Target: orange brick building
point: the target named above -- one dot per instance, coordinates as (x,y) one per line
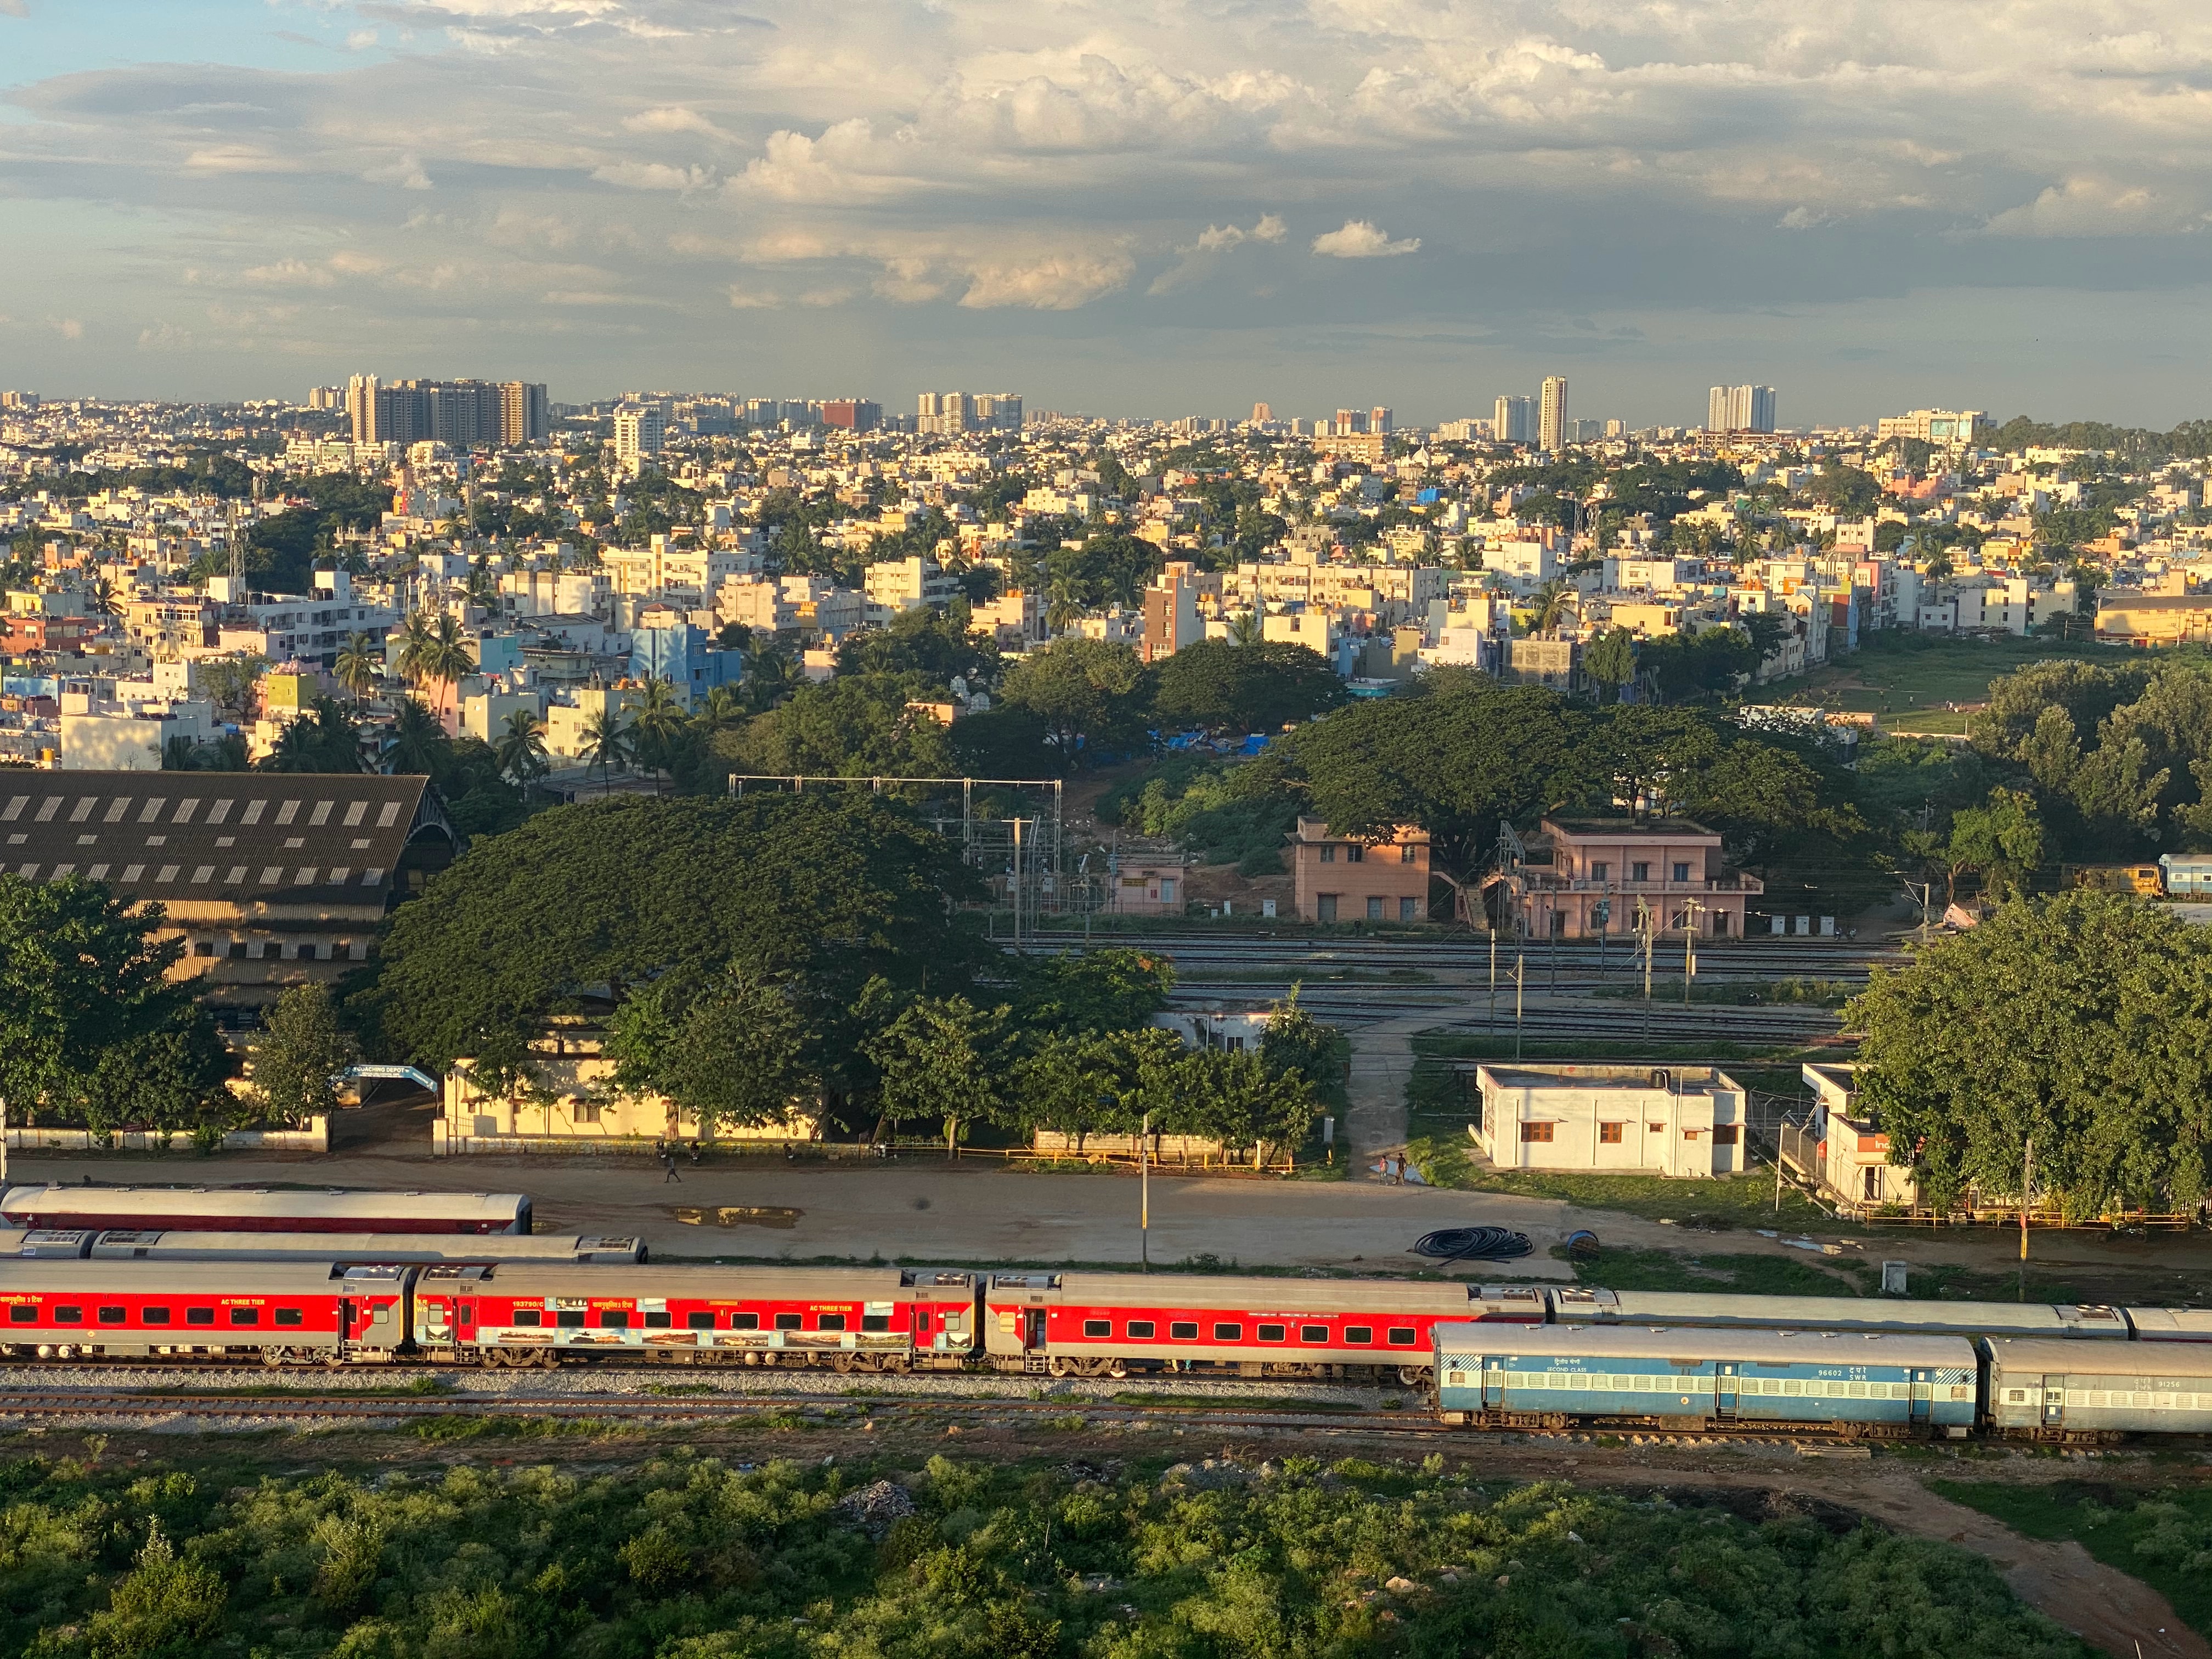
(1341,878)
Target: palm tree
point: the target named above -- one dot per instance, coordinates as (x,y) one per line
(521,748)
(418,740)
(1062,607)
(723,707)
(767,679)
(1245,628)
(606,744)
(434,650)
(1551,602)
(418,638)
(656,717)
(360,664)
(104,601)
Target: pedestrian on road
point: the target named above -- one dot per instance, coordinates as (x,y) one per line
(668,1163)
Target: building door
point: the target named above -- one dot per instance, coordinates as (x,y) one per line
(1870,1183)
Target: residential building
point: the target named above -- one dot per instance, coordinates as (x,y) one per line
(253,870)
(1683,1121)
(1739,409)
(525,416)
(894,586)
(639,433)
(1583,878)
(1937,426)
(1172,620)
(1343,878)
(851,414)
(1552,417)
(1515,421)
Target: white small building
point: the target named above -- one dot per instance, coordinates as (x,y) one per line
(1680,1120)
(1841,1150)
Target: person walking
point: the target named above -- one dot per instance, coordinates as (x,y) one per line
(668,1163)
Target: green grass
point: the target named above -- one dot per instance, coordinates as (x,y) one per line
(1907,679)
(507,1426)
(1741,993)
(1450,1160)
(1738,1275)
(2163,1538)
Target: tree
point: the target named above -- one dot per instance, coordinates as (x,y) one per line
(419,744)
(820,894)
(925,641)
(1295,1042)
(606,742)
(302,1050)
(656,719)
(1610,659)
(1089,993)
(434,651)
(1246,688)
(853,726)
(360,664)
(88,1016)
(326,738)
(2076,1021)
(733,1052)
(2000,840)
(1086,691)
(940,1058)
(229,682)
(520,749)
(1070,1083)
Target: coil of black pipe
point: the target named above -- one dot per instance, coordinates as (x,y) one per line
(1473,1244)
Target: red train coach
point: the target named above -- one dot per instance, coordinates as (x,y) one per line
(284,1313)
(238,1209)
(1111,1324)
(851,1319)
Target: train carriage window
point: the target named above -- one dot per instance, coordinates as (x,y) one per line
(657,1319)
(1313,1332)
(289,1317)
(743,1322)
(1141,1330)
(199,1315)
(613,1319)
(68,1315)
(1403,1335)
(153,1315)
(875,1322)
(1228,1333)
(246,1315)
(114,1315)
(1183,1330)
(1359,1332)
(787,1321)
(830,1323)
(526,1316)
(1274,1332)
(570,1319)
(699,1322)
(1098,1328)
(21,1314)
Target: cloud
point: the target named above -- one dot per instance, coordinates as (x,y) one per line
(746,299)
(1056,283)
(2100,206)
(1199,258)
(1361,240)
(656,175)
(68,327)
(1801,218)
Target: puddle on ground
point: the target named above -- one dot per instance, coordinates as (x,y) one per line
(736,1215)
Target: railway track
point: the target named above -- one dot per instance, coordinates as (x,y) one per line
(814,1410)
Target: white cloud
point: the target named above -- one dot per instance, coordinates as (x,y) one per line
(1055,282)
(68,327)
(656,175)
(1801,218)
(2093,206)
(1361,240)
(746,299)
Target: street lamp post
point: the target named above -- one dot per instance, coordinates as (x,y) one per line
(1145,1192)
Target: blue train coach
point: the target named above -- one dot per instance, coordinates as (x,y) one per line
(1887,1383)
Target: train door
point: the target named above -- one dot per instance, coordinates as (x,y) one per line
(348,1319)
(2054,1402)
(1923,1394)
(1033,1331)
(1494,1383)
(1724,1388)
(465,1319)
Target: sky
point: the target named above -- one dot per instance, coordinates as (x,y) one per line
(1148,208)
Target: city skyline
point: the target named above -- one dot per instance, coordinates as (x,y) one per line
(1125,214)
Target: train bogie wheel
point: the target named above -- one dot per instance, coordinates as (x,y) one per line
(1413,1377)
(1117,1367)
(1061,1367)
(844,1363)
(273,1358)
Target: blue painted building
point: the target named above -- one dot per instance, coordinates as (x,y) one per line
(681,655)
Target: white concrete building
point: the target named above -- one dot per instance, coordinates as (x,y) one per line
(1680,1121)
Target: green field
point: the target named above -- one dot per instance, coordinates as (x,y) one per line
(2163,1538)
(1912,680)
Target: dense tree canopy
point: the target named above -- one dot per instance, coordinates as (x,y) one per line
(820,893)
(689,1557)
(1087,692)
(1245,687)
(92,1031)
(2077,1021)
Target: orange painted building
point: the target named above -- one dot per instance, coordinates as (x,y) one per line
(1342,878)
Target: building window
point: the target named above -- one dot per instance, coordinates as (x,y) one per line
(1409,854)
(1608,1134)
(1355,853)
(1325,908)
(1681,872)
(1535,1131)
(1656,1129)
(1724,1134)
(1374,909)
(1639,873)
(585,1111)
(1409,909)
(1328,852)
(1167,890)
